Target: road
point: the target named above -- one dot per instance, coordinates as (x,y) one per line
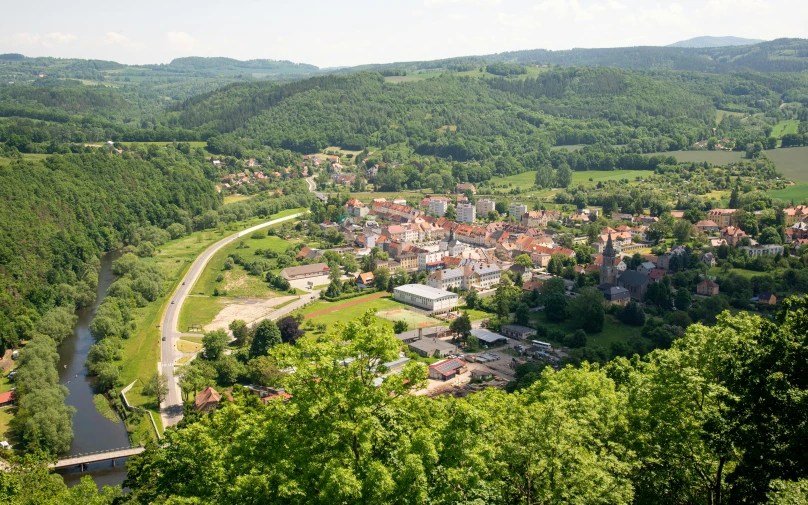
(171,408)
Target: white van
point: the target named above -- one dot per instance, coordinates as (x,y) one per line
(543,345)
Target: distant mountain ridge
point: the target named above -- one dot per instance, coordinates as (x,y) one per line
(709,41)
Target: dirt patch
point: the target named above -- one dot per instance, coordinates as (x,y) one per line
(246,310)
(5,361)
(347,304)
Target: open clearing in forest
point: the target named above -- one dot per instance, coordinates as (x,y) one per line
(785,127)
(526,180)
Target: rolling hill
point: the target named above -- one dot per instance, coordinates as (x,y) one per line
(708,41)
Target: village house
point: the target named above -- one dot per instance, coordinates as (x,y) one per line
(7,399)
(707,288)
(382,207)
(797,231)
(721,217)
(364,280)
(466,186)
(732,235)
(707,226)
(708,259)
(539,218)
(354,207)
(765,298)
(208,400)
(796,214)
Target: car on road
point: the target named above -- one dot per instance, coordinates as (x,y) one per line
(172,302)
(183,283)
(164,339)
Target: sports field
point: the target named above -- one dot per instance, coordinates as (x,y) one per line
(413,319)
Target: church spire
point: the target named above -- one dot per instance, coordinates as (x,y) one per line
(609,250)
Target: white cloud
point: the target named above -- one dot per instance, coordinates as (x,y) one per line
(180,41)
(119,39)
(24,39)
(57,39)
(438,3)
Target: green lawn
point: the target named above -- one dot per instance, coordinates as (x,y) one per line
(5,384)
(714,157)
(474,314)
(142,349)
(716,271)
(784,127)
(613,330)
(6,415)
(573,147)
(199,310)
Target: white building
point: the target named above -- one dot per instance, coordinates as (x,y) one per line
(426,297)
(438,206)
(484,206)
(764,250)
(427,257)
(467,277)
(466,213)
(516,210)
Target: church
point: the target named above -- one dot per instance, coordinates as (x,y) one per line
(618,287)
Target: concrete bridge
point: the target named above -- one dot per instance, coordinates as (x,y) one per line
(83,460)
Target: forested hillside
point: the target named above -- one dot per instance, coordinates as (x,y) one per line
(781,55)
(475,119)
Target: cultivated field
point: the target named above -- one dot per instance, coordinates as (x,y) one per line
(792,162)
(797,193)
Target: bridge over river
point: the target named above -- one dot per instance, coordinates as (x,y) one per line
(85,459)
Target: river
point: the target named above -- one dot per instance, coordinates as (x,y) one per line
(91,431)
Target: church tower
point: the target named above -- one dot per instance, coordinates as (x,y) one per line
(608,269)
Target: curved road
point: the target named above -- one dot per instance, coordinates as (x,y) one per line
(171,408)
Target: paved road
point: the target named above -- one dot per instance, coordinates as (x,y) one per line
(171,408)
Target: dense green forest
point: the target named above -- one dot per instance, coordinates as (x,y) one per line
(717,418)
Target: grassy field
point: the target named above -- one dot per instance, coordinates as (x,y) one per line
(474,314)
(187,346)
(420,76)
(236,281)
(574,147)
(784,127)
(346,314)
(367,197)
(142,349)
(613,330)
(6,414)
(199,310)
(236,198)
(714,157)
(526,180)
(721,114)
(5,384)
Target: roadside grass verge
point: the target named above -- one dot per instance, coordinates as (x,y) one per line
(142,349)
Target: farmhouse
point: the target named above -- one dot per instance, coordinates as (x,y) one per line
(304,271)
(426,297)
(707,288)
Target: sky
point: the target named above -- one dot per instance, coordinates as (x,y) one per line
(355,32)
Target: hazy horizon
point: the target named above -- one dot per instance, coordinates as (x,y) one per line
(365,32)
